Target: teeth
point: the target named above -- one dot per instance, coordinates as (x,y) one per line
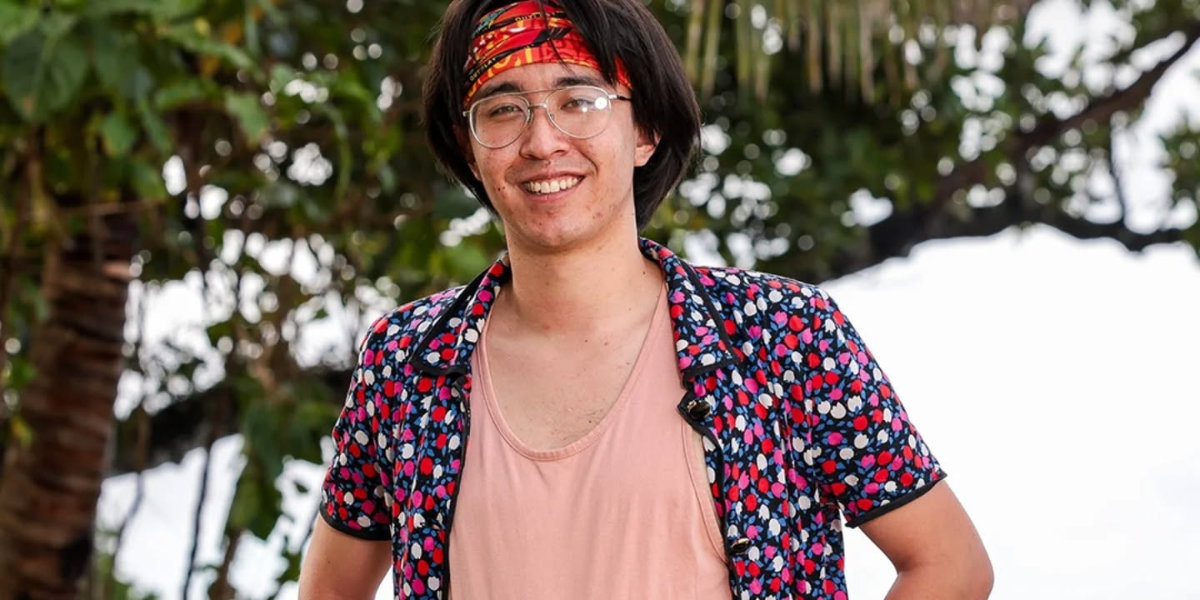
(552,185)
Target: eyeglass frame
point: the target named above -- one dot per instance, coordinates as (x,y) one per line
(544,106)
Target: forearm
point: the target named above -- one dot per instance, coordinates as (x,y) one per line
(942,582)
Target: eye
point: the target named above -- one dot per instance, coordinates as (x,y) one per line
(581,102)
(502,110)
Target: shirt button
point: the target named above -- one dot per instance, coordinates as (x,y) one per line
(740,547)
(698,409)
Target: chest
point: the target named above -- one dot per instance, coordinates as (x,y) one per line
(551,395)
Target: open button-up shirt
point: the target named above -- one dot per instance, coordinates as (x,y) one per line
(802,428)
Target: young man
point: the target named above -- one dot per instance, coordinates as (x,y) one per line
(593,417)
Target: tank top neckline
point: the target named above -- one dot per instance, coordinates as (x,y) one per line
(487,393)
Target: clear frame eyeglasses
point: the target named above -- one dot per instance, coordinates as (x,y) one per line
(579,111)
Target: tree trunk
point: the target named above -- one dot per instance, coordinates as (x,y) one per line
(51,482)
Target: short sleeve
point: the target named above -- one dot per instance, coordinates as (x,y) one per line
(864,450)
(354,489)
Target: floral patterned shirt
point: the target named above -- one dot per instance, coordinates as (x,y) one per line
(802,428)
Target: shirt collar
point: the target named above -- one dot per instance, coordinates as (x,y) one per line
(701,342)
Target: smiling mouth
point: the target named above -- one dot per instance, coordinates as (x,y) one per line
(551,186)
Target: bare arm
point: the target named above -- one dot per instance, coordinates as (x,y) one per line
(342,567)
(934,546)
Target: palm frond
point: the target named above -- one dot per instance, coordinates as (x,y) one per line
(844,43)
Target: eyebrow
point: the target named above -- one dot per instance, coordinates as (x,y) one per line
(497,88)
(570,80)
(509,87)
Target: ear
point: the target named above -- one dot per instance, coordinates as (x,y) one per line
(470,158)
(646,145)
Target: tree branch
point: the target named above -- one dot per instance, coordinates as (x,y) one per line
(197,516)
(897,235)
(1103,108)
(941,219)
(185,425)
(1115,172)
(1136,242)
(1049,127)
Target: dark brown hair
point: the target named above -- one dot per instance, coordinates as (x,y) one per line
(664,105)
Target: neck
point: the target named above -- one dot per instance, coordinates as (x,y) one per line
(609,281)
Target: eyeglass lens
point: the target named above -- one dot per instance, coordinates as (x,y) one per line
(580,112)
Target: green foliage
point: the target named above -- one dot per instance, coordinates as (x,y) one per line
(118,133)
(161,10)
(251,117)
(195,37)
(16,19)
(44,68)
(117,60)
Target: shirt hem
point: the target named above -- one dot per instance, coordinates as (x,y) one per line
(361,534)
(875,513)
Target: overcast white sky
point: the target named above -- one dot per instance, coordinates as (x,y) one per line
(1055,380)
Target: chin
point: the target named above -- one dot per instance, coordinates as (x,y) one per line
(565,227)
(550,239)
(553,235)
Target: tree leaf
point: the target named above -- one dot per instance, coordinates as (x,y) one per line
(281,75)
(147,181)
(292,571)
(219,330)
(192,37)
(43,70)
(164,10)
(245,501)
(118,134)
(387,177)
(115,56)
(343,143)
(16,19)
(184,92)
(279,194)
(249,114)
(270,504)
(155,128)
(20,431)
(56,25)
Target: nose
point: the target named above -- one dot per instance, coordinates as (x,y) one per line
(541,138)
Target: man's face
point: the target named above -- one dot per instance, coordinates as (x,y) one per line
(597,173)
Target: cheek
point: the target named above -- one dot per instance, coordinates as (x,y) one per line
(493,179)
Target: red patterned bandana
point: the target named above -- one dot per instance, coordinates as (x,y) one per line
(523,33)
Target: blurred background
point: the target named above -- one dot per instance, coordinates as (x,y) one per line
(204,202)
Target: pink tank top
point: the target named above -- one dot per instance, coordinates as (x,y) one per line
(622,513)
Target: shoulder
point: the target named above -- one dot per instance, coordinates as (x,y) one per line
(393,335)
(742,293)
